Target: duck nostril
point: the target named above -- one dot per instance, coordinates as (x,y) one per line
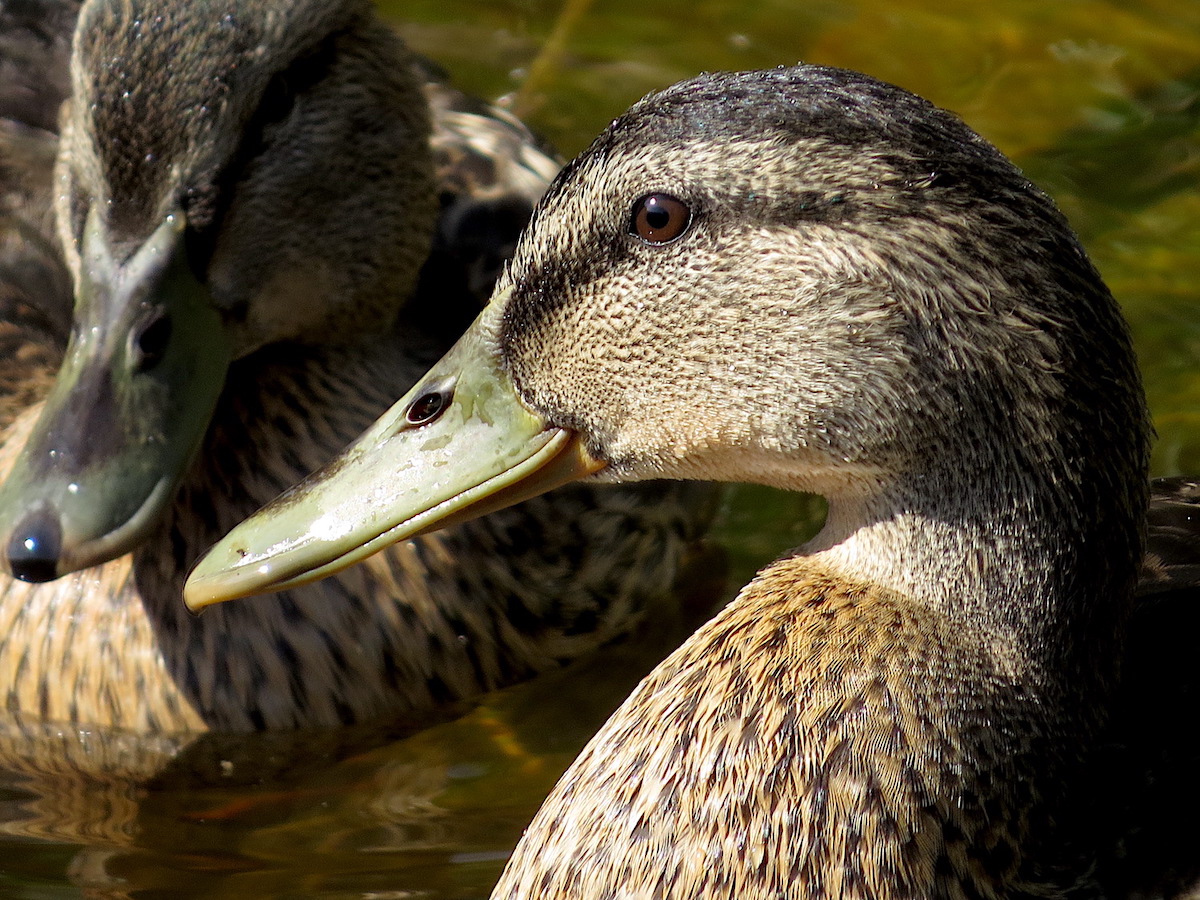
(35,547)
(150,343)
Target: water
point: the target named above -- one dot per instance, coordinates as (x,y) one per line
(1098,101)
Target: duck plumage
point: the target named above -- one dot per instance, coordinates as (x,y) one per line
(337,214)
(807,278)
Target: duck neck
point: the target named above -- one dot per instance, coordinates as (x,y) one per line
(1042,554)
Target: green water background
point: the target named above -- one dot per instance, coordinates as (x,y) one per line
(1098,101)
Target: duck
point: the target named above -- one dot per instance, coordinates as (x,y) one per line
(810,279)
(217,258)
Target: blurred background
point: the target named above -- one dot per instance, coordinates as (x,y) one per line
(1098,101)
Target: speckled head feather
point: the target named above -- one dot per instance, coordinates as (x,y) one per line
(265,107)
(843,183)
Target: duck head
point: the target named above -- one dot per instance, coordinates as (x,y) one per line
(229,175)
(801,277)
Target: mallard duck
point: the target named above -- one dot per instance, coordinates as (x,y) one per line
(813,280)
(244,198)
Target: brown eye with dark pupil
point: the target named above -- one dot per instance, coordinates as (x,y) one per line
(660,218)
(427,407)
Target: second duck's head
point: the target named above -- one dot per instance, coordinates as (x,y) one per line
(229,175)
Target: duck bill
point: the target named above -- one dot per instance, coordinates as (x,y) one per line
(144,367)
(485,451)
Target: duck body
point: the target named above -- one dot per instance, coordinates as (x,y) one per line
(809,279)
(306,231)
(791,753)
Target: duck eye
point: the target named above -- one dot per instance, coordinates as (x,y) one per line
(427,407)
(659,218)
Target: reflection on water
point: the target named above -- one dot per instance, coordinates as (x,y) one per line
(1099,102)
(353,814)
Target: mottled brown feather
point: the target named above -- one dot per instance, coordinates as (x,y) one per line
(851,752)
